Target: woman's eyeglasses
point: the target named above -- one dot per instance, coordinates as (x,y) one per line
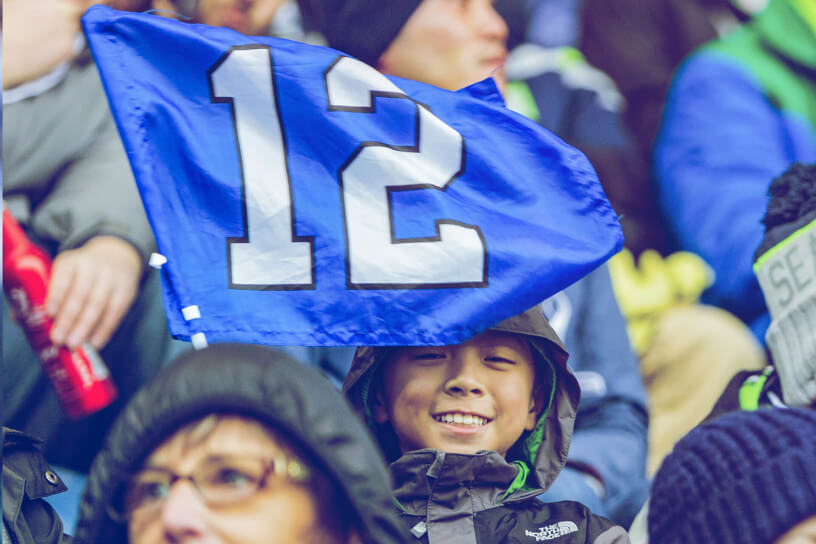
(219,480)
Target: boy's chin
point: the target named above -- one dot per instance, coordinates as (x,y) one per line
(463,449)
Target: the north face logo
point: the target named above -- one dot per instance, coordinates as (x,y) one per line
(551,532)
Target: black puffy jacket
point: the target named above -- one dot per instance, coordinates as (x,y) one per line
(260,383)
(27,478)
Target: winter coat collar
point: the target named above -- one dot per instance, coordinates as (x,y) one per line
(439,485)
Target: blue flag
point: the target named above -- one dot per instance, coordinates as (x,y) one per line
(300,197)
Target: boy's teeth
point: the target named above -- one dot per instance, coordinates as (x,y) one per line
(462,419)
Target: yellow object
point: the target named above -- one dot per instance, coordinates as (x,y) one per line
(652,286)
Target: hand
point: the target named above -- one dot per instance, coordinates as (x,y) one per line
(91,289)
(38,36)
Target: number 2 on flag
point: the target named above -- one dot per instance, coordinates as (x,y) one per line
(271,255)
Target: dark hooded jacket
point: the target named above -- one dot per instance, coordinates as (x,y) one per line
(27,479)
(486,498)
(262,384)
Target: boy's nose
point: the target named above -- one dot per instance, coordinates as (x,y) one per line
(183,514)
(464,378)
(463,387)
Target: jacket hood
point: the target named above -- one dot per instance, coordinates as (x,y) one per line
(260,383)
(538,465)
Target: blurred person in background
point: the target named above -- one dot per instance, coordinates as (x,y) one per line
(740,110)
(746,477)
(640,45)
(250,17)
(238,444)
(67,180)
(785,264)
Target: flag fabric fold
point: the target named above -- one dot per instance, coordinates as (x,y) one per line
(302,198)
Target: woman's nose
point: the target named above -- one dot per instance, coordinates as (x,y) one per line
(184,514)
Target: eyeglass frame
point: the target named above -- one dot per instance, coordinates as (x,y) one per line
(291,468)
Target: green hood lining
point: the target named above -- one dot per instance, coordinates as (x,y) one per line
(532,442)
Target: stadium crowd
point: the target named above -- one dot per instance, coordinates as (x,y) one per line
(667,396)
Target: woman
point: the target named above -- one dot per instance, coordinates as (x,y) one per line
(238,444)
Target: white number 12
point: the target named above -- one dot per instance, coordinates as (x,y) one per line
(272,256)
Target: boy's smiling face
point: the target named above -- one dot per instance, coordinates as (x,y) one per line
(473,396)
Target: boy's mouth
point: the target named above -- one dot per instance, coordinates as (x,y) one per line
(461,418)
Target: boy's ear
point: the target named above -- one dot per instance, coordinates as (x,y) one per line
(378,406)
(537,399)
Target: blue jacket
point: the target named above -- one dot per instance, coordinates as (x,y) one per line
(740,111)
(610,429)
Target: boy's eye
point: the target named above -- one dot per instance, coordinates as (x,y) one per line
(427,356)
(500,360)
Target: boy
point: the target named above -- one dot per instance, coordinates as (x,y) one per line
(475,431)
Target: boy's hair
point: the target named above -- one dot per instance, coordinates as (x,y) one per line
(745,476)
(542,388)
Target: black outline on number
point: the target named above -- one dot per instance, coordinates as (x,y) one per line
(371,108)
(245,237)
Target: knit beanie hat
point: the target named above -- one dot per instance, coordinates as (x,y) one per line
(744,478)
(362,28)
(785,265)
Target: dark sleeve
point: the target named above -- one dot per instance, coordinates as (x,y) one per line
(610,429)
(27,479)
